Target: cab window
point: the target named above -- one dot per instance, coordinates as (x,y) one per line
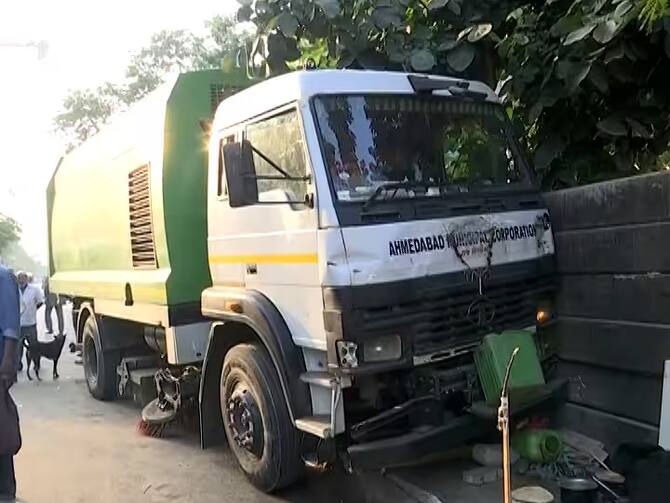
(221,189)
(279,139)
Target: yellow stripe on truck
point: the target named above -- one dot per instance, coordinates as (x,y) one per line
(292,258)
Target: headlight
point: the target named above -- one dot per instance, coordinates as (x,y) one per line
(382,348)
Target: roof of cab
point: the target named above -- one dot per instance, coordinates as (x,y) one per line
(302,85)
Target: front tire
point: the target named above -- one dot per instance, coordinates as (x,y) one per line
(256,420)
(99,366)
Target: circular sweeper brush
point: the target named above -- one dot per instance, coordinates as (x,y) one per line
(176,402)
(156,416)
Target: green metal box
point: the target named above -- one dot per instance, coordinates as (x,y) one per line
(491,359)
(127,210)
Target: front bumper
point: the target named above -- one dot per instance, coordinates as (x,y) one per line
(429,443)
(431,313)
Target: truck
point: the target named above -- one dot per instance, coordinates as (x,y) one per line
(313,261)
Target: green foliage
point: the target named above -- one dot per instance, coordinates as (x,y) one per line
(86,110)
(16,257)
(589,88)
(12,253)
(226,45)
(167,52)
(664,161)
(586,81)
(653,11)
(10,232)
(443,36)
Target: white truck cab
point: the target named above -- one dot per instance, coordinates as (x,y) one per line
(365,231)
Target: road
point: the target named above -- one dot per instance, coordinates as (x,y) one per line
(76,449)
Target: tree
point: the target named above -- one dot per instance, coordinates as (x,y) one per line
(10,232)
(168,52)
(585,80)
(651,11)
(86,110)
(227,43)
(590,88)
(16,257)
(442,36)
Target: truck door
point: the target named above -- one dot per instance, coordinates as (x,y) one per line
(271,246)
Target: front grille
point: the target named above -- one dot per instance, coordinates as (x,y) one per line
(440,320)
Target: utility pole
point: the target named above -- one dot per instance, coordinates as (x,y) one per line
(42,47)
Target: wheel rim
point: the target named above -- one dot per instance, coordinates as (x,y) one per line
(91,361)
(245,420)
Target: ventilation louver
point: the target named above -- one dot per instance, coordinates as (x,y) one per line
(218,93)
(141,225)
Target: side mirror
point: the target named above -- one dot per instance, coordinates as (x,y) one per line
(238,161)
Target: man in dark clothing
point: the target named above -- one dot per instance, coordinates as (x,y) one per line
(9,333)
(52,301)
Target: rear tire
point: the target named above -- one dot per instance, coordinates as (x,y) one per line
(268,451)
(99,366)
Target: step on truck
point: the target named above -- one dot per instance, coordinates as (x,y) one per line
(313,261)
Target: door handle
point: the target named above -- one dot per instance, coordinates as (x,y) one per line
(252,268)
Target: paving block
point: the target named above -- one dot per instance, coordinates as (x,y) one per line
(481,475)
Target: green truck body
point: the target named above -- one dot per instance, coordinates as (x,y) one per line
(143,231)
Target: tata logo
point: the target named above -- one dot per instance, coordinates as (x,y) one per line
(474,275)
(481,312)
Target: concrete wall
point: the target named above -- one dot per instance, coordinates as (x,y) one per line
(613,332)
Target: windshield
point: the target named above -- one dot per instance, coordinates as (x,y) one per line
(418,146)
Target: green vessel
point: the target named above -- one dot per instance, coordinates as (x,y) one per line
(491,359)
(141,237)
(541,446)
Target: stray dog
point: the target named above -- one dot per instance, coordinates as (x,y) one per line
(35,350)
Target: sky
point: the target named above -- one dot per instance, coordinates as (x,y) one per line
(89,42)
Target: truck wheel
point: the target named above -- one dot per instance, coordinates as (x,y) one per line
(256,419)
(99,366)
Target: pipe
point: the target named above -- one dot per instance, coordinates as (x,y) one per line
(503,426)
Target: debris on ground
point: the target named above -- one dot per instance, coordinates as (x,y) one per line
(585,444)
(609,477)
(491,454)
(565,466)
(538,445)
(481,475)
(532,494)
(578,489)
(646,468)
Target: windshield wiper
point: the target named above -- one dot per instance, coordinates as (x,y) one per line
(394,186)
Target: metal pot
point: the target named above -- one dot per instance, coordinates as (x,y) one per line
(578,490)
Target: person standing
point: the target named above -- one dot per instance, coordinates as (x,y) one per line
(30,298)
(52,301)
(9,333)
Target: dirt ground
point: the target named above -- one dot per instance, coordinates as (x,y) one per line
(77,449)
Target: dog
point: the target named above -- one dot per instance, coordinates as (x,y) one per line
(36,350)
